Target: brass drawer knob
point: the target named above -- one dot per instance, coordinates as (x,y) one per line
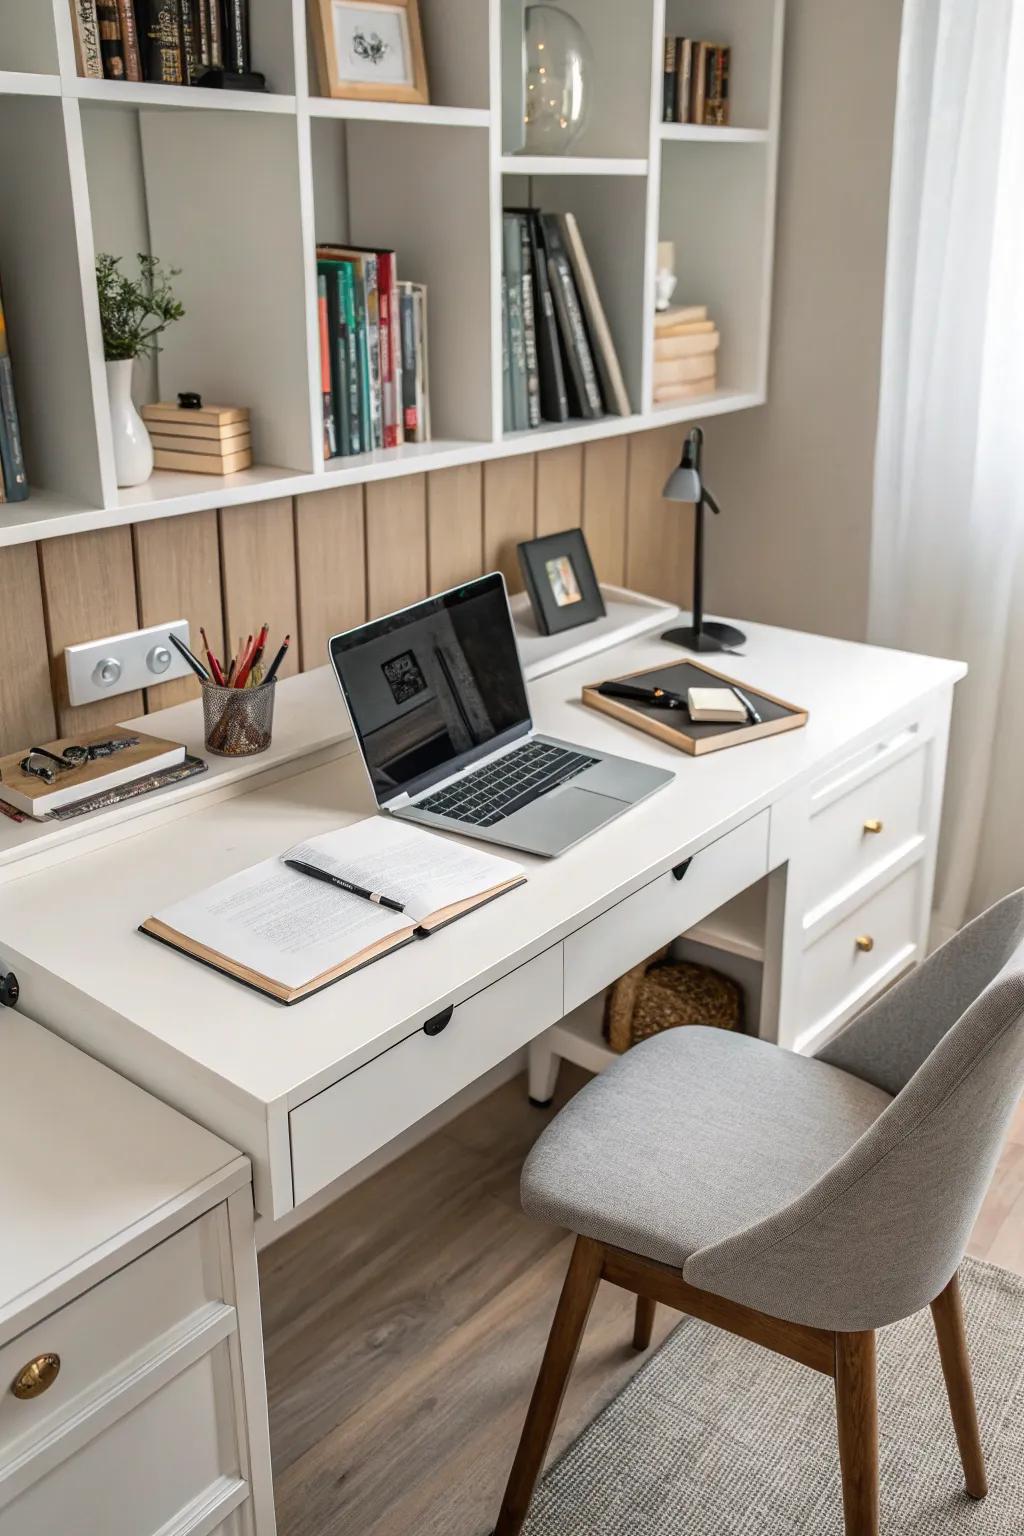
(872,826)
(37,1377)
(865,943)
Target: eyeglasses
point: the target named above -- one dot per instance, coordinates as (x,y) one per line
(46,765)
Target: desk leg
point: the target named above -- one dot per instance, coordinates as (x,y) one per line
(543,1071)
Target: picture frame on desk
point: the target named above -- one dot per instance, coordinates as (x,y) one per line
(559,577)
(369,50)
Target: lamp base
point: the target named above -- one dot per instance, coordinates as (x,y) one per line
(710,637)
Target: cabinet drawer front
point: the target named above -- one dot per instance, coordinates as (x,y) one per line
(627,933)
(843,969)
(150,1472)
(336,1129)
(107,1333)
(862,829)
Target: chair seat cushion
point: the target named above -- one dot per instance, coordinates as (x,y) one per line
(690,1137)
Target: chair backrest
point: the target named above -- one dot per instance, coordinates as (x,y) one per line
(882,1233)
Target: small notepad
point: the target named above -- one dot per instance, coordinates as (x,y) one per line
(715,704)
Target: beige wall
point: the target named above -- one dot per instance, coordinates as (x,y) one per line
(794,478)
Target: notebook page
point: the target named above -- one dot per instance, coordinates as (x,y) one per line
(280,923)
(421,869)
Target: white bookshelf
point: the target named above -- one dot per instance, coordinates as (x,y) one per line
(236,189)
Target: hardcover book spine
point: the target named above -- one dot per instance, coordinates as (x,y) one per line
(201,23)
(407,326)
(12,461)
(668,83)
(212,8)
(396,350)
(129,39)
(422,374)
(700,80)
(111,47)
(161,42)
(363,337)
(371,271)
(516,334)
(326,393)
(554,401)
(348,309)
(574,331)
(507,421)
(190,66)
(390,350)
(529,325)
(87,39)
(237,55)
(684,80)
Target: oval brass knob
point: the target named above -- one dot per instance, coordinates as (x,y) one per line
(37,1377)
(865,943)
(872,826)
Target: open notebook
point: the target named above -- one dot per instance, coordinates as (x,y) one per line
(289,935)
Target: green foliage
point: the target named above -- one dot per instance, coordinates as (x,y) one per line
(127,306)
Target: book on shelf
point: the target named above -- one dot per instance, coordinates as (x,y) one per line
(679,370)
(367,347)
(168,42)
(160,41)
(111,47)
(686,346)
(513,270)
(86,33)
(691,389)
(554,401)
(613,385)
(581,375)
(142,755)
(13,477)
(695,82)
(288,934)
(668,321)
(529,323)
(130,39)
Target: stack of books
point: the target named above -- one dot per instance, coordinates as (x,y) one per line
(695,86)
(13,479)
(374,372)
(558,356)
(685,353)
(170,42)
(207,440)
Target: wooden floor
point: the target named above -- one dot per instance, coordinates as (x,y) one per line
(404,1326)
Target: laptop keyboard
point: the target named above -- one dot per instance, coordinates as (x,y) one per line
(492,793)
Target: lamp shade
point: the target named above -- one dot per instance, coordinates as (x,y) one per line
(683,484)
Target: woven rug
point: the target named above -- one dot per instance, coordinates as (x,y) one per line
(718,1437)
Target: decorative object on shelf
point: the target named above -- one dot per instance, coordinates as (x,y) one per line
(560,580)
(369,50)
(665,275)
(695,83)
(559,67)
(133,313)
(13,476)
(202,439)
(686,485)
(685,353)
(663,994)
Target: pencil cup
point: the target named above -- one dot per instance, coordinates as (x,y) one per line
(239,721)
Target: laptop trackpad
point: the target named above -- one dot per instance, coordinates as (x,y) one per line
(565,816)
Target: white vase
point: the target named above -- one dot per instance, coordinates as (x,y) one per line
(133,451)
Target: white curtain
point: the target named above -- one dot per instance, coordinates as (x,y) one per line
(946,573)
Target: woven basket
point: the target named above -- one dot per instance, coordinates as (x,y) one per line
(666,994)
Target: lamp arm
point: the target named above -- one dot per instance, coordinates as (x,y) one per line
(710,501)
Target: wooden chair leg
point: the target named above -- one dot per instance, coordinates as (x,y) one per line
(857,1418)
(559,1357)
(948,1315)
(643,1325)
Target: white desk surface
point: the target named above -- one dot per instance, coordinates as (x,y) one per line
(70,932)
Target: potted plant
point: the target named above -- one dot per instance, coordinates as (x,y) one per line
(133,313)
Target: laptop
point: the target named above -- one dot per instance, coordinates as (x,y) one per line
(438,705)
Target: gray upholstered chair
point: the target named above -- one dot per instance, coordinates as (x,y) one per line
(801,1203)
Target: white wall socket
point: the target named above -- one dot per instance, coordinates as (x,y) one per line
(121,663)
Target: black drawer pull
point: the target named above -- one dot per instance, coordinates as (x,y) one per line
(9,990)
(440,1021)
(679,870)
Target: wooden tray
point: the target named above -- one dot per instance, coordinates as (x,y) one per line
(675,727)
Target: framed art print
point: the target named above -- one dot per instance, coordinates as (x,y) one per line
(560,580)
(370,50)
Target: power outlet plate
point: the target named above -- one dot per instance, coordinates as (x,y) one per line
(121,663)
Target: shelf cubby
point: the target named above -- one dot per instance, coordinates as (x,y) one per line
(28,38)
(456,45)
(753,30)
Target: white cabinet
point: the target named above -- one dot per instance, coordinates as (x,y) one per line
(131,1372)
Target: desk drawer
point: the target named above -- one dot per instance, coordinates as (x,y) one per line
(336,1129)
(634,928)
(849,964)
(111,1332)
(151,1472)
(872,822)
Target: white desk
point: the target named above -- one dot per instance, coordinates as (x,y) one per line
(309,1092)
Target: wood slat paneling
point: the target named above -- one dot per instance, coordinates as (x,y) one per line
(455,525)
(89,592)
(605,470)
(508,514)
(396,543)
(559,489)
(659,543)
(330,549)
(257,552)
(177,568)
(26,706)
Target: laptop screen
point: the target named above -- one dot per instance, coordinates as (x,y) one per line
(434,687)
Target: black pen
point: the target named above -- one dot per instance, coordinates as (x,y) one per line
(752,715)
(345,885)
(193,661)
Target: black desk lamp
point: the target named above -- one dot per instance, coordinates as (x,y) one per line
(685,484)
